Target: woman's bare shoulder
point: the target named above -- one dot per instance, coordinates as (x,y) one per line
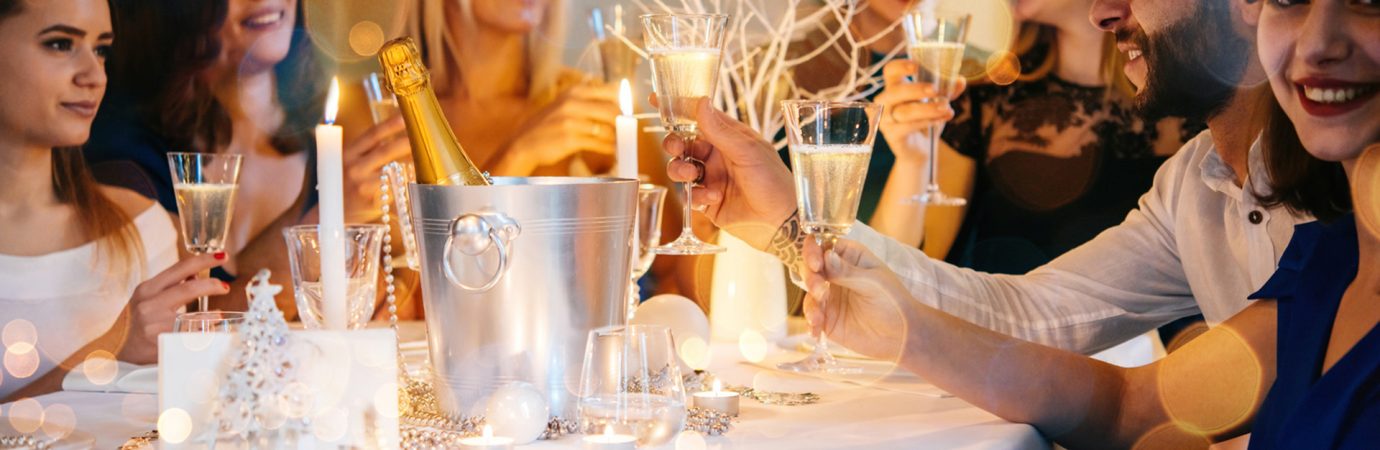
(131,203)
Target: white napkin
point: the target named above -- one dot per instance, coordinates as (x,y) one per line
(128,378)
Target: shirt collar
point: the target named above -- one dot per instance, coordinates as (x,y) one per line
(1220,177)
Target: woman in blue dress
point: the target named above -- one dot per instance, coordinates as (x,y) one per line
(1298,369)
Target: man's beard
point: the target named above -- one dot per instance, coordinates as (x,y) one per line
(1193,66)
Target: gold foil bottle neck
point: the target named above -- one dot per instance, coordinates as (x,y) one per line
(402,65)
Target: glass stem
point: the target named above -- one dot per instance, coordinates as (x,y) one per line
(203,303)
(933,184)
(685,228)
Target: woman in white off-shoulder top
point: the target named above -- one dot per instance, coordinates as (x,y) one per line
(74,256)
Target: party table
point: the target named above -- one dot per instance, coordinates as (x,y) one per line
(880,408)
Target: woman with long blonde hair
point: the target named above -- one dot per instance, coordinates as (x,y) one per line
(497,70)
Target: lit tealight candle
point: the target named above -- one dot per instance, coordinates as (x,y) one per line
(487,441)
(610,441)
(718,399)
(330,192)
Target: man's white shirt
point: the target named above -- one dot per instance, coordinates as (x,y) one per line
(1197,243)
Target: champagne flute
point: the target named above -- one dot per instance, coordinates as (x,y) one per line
(830,145)
(936,42)
(382,104)
(650,198)
(685,50)
(205,185)
(616,59)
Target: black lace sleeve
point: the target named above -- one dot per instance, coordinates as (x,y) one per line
(966,132)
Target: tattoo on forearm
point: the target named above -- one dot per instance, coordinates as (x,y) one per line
(789,243)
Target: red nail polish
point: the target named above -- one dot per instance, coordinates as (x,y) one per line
(220,256)
(224,285)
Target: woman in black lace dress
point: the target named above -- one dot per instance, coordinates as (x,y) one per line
(1047,162)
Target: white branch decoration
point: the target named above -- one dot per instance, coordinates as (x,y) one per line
(757,71)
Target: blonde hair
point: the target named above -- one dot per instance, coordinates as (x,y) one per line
(429,24)
(1032,34)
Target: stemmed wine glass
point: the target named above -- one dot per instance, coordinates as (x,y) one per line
(830,145)
(936,42)
(650,197)
(382,104)
(685,50)
(205,185)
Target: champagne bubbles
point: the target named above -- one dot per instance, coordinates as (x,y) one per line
(353,30)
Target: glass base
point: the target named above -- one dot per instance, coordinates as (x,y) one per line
(936,198)
(820,361)
(688,244)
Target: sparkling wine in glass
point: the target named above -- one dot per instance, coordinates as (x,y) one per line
(685,50)
(616,58)
(830,147)
(205,185)
(650,198)
(936,42)
(382,104)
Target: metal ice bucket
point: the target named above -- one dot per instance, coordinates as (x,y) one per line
(514,276)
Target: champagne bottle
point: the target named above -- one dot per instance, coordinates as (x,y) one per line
(438,156)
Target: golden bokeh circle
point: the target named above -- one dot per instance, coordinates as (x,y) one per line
(353,30)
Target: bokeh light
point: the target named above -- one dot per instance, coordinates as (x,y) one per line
(26,415)
(753,346)
(353,30)
(19,331)
(100,367)
(696,353)
(690,440)
(366,37)
(1003,68)
(1236,384)
(58,421)
(174,425)
(21,359)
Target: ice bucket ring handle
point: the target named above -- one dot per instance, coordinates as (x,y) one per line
(474,233)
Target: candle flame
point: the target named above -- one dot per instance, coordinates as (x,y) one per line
(332,101)
(625,97)
(608,430)
(718,386)
(488,432)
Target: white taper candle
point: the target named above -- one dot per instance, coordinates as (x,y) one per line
(331,206)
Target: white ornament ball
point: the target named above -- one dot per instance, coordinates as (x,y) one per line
(518,410)
(687,322)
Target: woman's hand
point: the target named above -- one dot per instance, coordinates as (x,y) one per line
(579,121)
(856,299)
(908,112)
(364,159)
(156,302)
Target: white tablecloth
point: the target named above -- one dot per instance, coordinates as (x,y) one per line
(871,411)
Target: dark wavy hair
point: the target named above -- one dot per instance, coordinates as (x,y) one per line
(164,47)
(1299,181)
